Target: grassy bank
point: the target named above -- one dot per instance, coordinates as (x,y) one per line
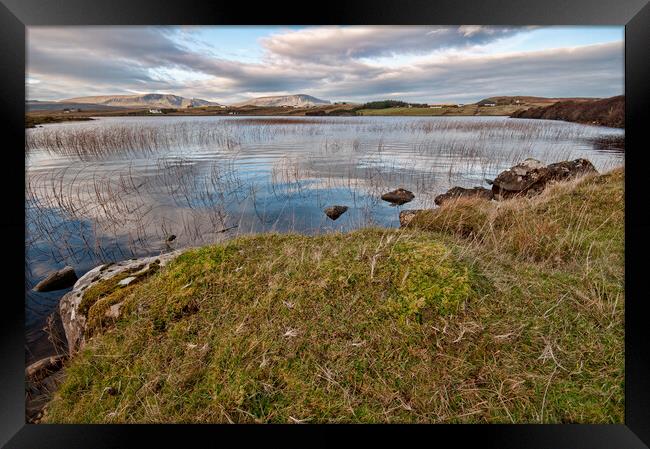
(31,121)
(604,112)
(479,312)
(467,110)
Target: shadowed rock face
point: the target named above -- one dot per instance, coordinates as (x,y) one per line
(460,192)
(399,196)
(64,278)
(335,212)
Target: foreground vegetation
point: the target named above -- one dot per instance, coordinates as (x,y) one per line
(478,312)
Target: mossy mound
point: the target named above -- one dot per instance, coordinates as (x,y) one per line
(268,328)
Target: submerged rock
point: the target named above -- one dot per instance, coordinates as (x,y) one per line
(399,196)
(171,238)
(458,192)
(335,212)
(63,278)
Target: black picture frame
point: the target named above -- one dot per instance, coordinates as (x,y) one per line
(15,15)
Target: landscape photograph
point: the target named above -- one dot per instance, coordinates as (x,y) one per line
(324,224)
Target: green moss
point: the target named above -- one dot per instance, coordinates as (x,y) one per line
(100,290)
(426,278)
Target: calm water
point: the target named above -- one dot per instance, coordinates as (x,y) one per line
(116,188)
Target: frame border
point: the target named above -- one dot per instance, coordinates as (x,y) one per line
(15,15)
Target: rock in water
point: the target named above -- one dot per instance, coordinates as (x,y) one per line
(171,238)
(63,278)
(458,192)
(335,212)
(399,196)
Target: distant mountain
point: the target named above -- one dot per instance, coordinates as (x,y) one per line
(142,101)
(299,100)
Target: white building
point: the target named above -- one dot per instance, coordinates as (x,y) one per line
(155,111)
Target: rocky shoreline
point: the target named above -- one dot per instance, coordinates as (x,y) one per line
(527,178)
(45,375)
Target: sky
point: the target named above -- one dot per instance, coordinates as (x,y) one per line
(230,64)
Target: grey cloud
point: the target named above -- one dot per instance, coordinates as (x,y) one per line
(74,61)
(336,44)
(589,71)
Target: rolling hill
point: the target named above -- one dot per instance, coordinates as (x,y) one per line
(604,112)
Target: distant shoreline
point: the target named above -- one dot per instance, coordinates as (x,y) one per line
(604,112)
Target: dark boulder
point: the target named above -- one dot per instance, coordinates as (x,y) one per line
(564,170)
(63,278)
(335,212)
(399,196)
(460,192)
(171,238)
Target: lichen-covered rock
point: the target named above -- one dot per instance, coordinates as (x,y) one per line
(335,212)
(406,216)
(564,170)
(74,322)
(398,196)
(63,278)
(460,192)
(531,176)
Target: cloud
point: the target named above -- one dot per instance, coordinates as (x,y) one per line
(336,63)
(333,44)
